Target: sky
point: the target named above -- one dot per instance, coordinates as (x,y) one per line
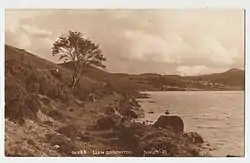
(169,41)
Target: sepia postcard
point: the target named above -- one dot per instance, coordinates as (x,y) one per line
(124,82)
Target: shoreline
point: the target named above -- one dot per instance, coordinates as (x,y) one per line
(196,136)
(151,117)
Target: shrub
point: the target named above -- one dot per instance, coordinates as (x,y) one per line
(53,88)
(19,104)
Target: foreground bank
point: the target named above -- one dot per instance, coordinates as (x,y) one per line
(43,117)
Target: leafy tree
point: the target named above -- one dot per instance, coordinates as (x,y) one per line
(80,51)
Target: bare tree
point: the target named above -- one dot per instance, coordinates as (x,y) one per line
(80,51)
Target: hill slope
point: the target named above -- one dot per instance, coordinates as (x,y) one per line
(232,77)
(44,117)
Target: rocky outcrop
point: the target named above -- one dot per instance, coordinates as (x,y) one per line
(164,142)
(174,122)
(146,140)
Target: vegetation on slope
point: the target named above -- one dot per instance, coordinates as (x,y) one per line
(44,117)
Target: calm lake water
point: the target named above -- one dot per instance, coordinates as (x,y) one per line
(217,115)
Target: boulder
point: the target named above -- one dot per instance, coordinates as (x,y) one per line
(194,137)
(175,122)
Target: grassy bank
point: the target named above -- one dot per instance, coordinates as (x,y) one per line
(44,117)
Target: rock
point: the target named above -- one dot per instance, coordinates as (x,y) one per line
(166,112)
(194,137)
(151,112)
(175,122)
(56,146)
(145,140)
(63,144)
(163,142)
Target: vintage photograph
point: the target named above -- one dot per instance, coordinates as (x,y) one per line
(124,82)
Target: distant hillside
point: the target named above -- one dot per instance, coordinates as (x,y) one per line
(233,77)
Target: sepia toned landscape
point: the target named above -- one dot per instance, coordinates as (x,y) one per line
(130,83)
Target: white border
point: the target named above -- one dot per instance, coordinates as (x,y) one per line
(135,4)
(124,3)
(2,40)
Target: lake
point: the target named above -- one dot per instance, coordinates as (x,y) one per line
(217,115)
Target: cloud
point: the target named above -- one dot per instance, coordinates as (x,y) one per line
(31,38)
(192,70)
(18,39)
(35,32)
(175,39)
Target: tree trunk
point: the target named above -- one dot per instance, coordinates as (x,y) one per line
(74,81)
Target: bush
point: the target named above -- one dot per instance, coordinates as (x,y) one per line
(19,104)
(52,88)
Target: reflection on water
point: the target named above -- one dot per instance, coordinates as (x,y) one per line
(217,116)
